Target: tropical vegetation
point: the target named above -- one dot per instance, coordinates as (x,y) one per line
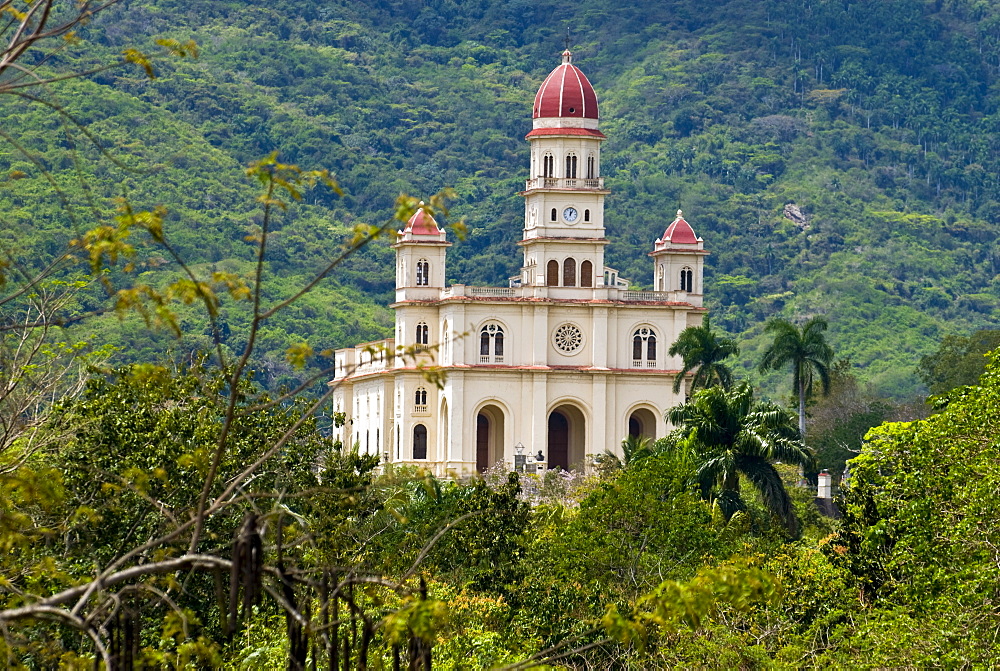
(734,436)
(188,510)
(806,351)
(833,168)
(703,352)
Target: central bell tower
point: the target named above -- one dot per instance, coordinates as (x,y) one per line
(563,236)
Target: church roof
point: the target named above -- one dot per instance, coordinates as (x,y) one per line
(422,223)
(566,92)
(679,232)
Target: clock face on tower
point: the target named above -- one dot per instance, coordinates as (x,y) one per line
(570,214)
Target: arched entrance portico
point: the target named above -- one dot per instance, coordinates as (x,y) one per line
(489,437)
(642,423)
(567,431)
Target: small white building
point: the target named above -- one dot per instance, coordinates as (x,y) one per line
(565,361)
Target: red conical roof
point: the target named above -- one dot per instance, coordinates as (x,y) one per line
(566,92)
(422,223)
(679,232)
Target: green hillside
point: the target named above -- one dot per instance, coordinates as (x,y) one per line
(878,120)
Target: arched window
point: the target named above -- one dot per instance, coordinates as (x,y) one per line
(553,214)
(420,442)
(569,273)
(423,273)
(644,343)
(586,274)
(420,400)
(552,273)
(423,334)
(591,167)
(491,339)
(586,215)
(548,166)
(571,166)
(687,279)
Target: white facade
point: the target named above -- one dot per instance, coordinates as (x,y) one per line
(566,361)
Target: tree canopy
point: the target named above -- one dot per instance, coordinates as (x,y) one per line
(806,351)
(704,352)
(958,361)
(734,435)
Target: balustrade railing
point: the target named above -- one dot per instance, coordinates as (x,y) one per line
(506,292)
(564,183)
(649,296)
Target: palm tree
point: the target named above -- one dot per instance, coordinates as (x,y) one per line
(634,450)
(807,352)
(733,435)
(701,349)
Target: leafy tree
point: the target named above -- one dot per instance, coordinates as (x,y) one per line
(704,352)
(734,435)
(808,353)
(40,370)
(958,360)
(164,473)
(920,528)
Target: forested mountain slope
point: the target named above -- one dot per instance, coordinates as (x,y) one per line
(877,120)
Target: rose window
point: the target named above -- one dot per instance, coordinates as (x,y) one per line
(568,338)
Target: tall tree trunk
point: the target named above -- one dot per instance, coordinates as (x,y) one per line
(732,482)
(802,408)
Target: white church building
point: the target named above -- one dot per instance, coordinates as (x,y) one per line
(566,361)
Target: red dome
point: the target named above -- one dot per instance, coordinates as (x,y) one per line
(679,232)
(422,223)
(566,92)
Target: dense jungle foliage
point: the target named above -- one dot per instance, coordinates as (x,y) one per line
(839,158)
(877,120)
(629,567)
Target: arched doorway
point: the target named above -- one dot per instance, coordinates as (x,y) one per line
(420,442)
(558,440)
(567,433)
(642,423)
(489,437)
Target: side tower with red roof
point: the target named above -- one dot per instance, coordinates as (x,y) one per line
(679,261)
